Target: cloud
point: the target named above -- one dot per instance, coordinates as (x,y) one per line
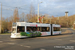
(51,7)
(60,6)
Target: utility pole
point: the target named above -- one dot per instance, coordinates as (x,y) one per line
(58,20)
(67,24)
(38,14)
(1,19)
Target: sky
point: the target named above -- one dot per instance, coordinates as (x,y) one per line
(50,7)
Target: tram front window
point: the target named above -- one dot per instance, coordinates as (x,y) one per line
(14,24)
(20,29)
(14,30)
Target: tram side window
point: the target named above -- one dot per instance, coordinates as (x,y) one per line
(56,28)
(31,28)
(20,29)
(45,29)
(38,28)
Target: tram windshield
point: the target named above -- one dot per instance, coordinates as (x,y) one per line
(14,30)
(14,24)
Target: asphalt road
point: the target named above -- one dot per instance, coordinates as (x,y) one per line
(58,42)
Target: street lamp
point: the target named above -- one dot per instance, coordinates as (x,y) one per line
(38,12)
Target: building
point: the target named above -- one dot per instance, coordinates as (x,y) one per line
(66,14)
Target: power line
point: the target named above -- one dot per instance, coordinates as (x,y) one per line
(8,6)
(14,7)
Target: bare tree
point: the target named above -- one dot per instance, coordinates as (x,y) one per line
(31,17)
(16,16)
(22,17)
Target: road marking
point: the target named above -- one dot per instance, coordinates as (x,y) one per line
(11,43)
(28,46)
(72,40)
(58,39)
(59,44)
(12,40)
(42,49)
(1,41)
(21,45)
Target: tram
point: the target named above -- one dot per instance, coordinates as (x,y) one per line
(24,29)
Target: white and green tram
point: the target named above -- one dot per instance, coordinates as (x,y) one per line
(23,29)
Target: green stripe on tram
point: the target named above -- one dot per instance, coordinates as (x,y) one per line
(34,34)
